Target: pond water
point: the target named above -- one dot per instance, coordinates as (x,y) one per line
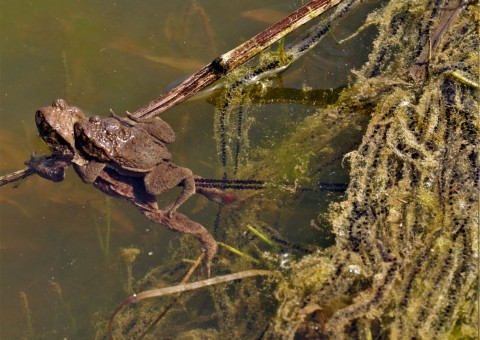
(59,242)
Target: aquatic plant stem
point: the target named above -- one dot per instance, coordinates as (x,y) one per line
(28,314)
(58,290)
(236,57)
(260,235)
(237,252)
(200,182)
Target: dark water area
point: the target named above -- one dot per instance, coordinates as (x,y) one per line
(59,242)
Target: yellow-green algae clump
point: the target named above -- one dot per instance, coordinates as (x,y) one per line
(405,263)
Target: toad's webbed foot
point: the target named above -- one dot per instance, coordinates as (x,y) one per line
(216,195)
(49,167)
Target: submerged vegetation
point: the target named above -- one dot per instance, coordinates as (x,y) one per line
(406,254)
(405,259)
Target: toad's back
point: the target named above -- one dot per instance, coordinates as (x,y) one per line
(124,147)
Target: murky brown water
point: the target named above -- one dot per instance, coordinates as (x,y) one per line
(116,54)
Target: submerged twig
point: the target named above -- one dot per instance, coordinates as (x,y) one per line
(186,287)
(199,284)
(172,303)
(15,176)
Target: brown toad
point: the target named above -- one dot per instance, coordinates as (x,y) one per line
(118,156)
(133,148)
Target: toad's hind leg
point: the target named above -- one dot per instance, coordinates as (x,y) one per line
(166,176)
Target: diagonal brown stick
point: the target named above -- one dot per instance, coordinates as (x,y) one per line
(234,58)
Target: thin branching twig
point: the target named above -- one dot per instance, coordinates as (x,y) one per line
(186,287)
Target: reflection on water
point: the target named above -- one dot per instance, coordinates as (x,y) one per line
(60,241)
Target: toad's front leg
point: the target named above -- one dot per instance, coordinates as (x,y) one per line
(166,176)
(88,171)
